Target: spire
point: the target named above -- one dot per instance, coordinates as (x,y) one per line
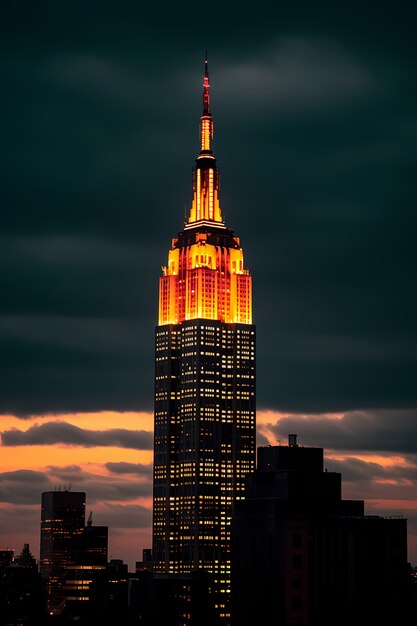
(206,89)
(205,206)
(206,129)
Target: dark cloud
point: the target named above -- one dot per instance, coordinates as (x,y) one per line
(389,431)
(124,516)
(26,486)
(316,134)
(23,486)
(23,519)
(296,75)
(129,468)
(371,481)
(23,476)
(69,473)
(102,490)
(60,432)
(356,471)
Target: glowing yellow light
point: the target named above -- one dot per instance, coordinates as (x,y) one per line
(206,132)
(203,281)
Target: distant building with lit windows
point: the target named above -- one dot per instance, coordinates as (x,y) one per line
(62,518)
(204,435)
(88,562)
(6,557)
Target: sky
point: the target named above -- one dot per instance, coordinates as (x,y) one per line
(314,106)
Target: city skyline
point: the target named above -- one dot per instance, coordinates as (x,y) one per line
(314,134)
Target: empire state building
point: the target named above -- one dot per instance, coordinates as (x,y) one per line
(204,433)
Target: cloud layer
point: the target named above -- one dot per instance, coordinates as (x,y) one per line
(68,434)
(96,169)
(385,431)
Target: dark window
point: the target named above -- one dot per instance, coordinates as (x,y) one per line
(296,582)
(297,560)
(297,540)
(297,602)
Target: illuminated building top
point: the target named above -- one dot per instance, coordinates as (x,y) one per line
(205,206)
(205,276)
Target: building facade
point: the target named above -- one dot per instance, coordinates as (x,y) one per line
(88,562)
(305,556)
(204,434)
(62,518)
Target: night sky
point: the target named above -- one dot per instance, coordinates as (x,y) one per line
(315,117)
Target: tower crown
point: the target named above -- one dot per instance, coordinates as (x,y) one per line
(205,208)
(205,277)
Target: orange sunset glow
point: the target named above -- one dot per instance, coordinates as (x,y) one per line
(394,495)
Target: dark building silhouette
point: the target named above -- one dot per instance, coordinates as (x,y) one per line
(306,556)
(26,559)
(22,601)
(173,600)
(109,595)
(6,557)
(90,547)
(146,562)
(87,563)
(204,435)
(62,518)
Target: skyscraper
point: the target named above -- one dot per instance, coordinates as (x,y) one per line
(204,435)
(62,518)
